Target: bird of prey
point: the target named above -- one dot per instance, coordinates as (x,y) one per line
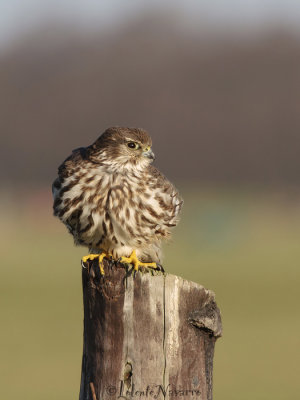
(113,200)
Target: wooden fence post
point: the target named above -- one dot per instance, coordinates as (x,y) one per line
(149,336)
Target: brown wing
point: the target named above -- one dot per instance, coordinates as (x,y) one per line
(68,177)
(167,197)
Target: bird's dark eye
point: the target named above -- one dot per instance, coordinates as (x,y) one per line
(132,145)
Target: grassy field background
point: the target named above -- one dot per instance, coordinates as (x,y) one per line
(243,244)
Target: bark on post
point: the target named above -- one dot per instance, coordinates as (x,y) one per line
(148,336)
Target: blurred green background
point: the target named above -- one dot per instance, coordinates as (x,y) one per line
(243,244)
(217,85)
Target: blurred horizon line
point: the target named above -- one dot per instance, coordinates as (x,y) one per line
(227,107)
(209,21)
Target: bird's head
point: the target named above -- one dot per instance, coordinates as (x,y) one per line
(125,148)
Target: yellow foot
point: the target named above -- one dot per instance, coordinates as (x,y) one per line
(137,263)
(100,257)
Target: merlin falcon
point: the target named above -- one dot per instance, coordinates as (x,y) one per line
(113,200)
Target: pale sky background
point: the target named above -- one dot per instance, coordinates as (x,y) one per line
(19,16)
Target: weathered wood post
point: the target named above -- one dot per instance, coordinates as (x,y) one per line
(148,336)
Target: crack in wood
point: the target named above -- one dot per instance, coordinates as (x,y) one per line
(93,391)
(128,375)
(164,333)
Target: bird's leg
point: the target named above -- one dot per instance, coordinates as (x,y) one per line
(132,259)
(100,257)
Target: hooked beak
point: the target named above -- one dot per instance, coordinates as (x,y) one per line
(149,154)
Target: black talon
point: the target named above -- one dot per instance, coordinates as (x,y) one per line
(160,267)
